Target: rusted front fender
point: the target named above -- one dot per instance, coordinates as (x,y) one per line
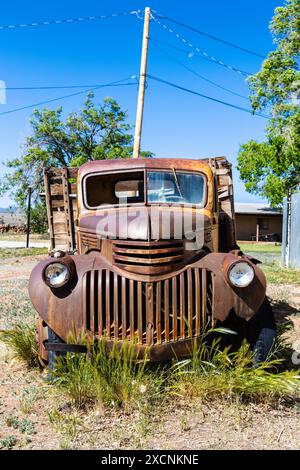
(246,301)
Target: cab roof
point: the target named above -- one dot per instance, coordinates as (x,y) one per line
(142,163)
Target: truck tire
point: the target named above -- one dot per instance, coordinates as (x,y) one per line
(53,355)
(261,332)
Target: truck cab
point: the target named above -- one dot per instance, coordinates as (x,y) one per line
(143,250)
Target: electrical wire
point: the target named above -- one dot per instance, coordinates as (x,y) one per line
(112,84)
(200,51)
(199,75)
(69,20)
(179,87)
(215,38)
(62,87)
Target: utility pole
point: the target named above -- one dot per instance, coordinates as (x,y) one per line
(142,85)
(28,217)
(288,228)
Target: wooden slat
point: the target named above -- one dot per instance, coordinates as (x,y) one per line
(197,301)
(167,310)
(49,210)
(68,211)
(57,203)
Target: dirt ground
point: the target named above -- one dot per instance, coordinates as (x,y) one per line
(34,416)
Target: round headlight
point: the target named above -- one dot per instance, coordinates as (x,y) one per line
(56,274)
(241,274)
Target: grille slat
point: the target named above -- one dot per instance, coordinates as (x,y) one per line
(136,256)
(107,294)
(189,302)
(174,305)
(182,307)
(197,302)
(140,311)
(153,312)
(158,312)
(100,303)
(167,312)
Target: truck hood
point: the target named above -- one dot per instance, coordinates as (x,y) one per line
(147,223)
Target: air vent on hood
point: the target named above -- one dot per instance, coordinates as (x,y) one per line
(148,257)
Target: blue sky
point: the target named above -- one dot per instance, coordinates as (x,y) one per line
(176,124)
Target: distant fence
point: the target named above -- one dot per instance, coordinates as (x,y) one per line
(291,232)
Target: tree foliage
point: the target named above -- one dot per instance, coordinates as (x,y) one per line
(271,167)
(92,133)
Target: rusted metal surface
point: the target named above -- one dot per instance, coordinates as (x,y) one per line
(157,292)
(170,308)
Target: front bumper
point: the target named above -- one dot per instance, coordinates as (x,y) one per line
(161,314)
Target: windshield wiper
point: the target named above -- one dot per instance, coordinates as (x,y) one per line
(177,182)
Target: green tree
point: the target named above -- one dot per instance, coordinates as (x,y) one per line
(92,133)
(38,222)
(269,168)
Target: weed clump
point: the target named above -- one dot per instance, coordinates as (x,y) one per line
(22,341)
(115,378)
(212,372)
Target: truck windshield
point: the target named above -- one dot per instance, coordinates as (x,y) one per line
(175,187)
(169,186)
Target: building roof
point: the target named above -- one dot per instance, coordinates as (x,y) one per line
(256,209)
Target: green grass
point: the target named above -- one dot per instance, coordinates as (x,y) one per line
(215,373)
(118,380)
(21,252)
(115,379)
(276,274)
(271,265)
(260,248)
(22,341)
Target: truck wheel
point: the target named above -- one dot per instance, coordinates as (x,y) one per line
(53,355)
(261,332)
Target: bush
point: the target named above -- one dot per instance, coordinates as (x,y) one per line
(38,218)
(21,339)
(212,372)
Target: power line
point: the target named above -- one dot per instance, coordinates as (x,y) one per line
(201,76)
(215,38)
(59,87)
(201,51)
(240,108)
(116,83)
(180,49)
(69,20)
